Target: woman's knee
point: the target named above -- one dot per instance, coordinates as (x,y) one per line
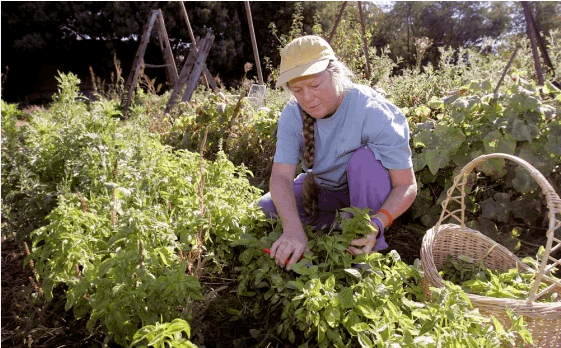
(268,206)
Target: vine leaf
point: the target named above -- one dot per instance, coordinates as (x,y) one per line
(497,207)
(523,182)
(521,131)
(497,142)
(494,167)
(436,159)
(554,138)
(527,208)
(422,203)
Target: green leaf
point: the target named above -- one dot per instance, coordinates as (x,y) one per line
(548,88)
(435,103)
(291,336)
(487,227)
(449,138)
(425,138)
(178,325)
(496,142)
(422,112)
(364,341)
(539,160)
(436,159)
(354,272)
(521,131)
(494,167)
(362,326)
(523,181)
(330,283)
(525,208)
(332,316)
(498,326)
(554,138)
(419,161)
(345,297)
(497,208)
(422,203)
(424,341)
(486,85)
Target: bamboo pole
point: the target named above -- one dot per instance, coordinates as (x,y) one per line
(364,39)
(254,42)
(337,22)
(138,60)
(506,69)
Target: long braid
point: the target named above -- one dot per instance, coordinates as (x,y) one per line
(310,190)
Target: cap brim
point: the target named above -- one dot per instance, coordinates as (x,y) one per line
(304,70)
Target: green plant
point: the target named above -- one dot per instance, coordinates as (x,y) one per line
(475,278)
(461,127)
(164,335)
(131,220)
(326,302)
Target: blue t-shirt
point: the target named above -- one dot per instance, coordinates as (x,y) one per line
(363,118)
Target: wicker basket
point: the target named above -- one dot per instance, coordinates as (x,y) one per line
(543,319)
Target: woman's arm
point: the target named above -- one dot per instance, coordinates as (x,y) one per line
(293,240)
(402,195)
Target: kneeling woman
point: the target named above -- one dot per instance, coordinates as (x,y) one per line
(355,149)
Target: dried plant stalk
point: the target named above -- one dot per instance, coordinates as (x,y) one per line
(82,201)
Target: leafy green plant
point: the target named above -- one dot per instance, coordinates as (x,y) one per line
(477,122)
(326,302)
(133,221)
(474,278)
(163,335)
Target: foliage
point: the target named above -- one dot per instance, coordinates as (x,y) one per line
(246,135)
(476,122)
(475,278)
(134,222)
(164,335)
(328,301)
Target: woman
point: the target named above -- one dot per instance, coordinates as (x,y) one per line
(355,150)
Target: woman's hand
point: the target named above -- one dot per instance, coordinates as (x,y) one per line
(367,243)
(290,243)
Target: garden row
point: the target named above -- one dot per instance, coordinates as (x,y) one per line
(140,210)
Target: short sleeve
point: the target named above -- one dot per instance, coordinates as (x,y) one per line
(289,138)
(386,132)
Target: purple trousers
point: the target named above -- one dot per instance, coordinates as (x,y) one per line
(369,186)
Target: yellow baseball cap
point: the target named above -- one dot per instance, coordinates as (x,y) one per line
(306,55)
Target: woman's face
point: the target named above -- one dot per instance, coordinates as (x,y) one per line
(316,94)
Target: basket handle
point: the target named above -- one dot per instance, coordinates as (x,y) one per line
(553,205)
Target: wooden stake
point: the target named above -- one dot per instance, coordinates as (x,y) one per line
(364,39)
(198,67)
(533,41)
(171,69)
(191,71)
(506,69)
(337,22)
(254,42)
(541,43)
(138,59)
(209,80)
